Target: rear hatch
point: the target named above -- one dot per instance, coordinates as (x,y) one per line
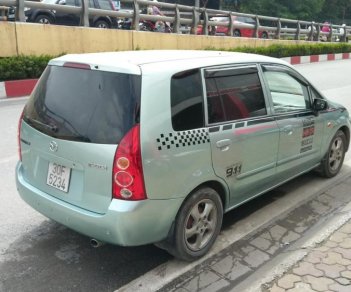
(71,128)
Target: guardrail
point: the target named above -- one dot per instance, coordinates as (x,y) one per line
(188,19)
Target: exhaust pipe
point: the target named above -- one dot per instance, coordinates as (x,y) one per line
(96,243)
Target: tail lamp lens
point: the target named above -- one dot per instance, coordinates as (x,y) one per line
(122,163)
(19,136)
(123,179)
(128,179)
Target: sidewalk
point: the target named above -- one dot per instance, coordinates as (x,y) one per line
(309,249)
(327,267)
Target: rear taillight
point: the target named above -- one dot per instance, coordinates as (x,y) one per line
(19,136)
(128,179)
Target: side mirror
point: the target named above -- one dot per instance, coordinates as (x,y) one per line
(319,105)
(62,2)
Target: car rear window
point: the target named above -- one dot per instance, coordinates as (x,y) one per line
(84,105)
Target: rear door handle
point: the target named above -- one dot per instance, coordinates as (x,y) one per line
(223,144)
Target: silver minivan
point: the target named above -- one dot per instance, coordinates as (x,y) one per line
(132,148)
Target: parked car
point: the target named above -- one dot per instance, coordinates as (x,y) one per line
(47,16)
(11,13)
(142,147)
(237,32)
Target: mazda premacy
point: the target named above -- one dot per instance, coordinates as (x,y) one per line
(132,148)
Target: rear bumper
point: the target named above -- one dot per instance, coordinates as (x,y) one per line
(126,223)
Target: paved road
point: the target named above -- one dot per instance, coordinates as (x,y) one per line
(37,254)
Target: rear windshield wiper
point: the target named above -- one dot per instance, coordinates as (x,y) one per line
(50,127)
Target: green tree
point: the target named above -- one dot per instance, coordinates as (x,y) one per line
(336,11)
(295,9)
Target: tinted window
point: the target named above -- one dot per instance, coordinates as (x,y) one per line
(187,101)
(84,105)
(105,4)
(288,93)
(71,2)
(234,97)
(315,94)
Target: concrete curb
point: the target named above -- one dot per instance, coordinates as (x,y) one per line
(17,88)
(295,60)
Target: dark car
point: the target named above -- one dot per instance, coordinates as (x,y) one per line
(50,16)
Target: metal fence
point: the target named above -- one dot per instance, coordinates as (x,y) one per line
(195,20)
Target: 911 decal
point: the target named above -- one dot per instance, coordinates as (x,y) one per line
(307,135)
(233,170)
(308,128)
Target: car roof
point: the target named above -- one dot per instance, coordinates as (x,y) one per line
(134,62)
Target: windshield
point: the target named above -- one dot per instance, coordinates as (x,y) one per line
(84,105)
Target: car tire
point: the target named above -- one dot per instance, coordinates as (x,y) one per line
(264,35)
(333,160)
(236,33)
(102,24)
(44,19)
(197,224)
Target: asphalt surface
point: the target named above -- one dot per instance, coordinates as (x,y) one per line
(37,254)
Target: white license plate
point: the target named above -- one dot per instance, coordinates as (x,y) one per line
(58,176)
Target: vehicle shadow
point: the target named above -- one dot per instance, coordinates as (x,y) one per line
(249,208)
(54,258)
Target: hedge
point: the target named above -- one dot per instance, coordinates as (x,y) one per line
(25,67)
(22,67)
(281,51)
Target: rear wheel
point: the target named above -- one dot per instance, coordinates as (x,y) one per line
(44,19)
(334,158)
(197,225)
(102,24)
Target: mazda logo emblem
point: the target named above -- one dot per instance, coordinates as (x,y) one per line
(53,146)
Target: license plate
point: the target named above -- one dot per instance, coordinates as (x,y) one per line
(58,176)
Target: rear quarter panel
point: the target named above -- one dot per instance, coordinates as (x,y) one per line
(174,163)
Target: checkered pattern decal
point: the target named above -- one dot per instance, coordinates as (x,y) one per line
(183,139)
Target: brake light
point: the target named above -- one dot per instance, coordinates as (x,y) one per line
(19,136)
(77,65)
(128,178)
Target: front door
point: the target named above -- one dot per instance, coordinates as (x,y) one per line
(300,129)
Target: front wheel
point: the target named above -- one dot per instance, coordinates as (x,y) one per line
(236,33)
(264,35)
(334,158)
(197,225)
(44,19)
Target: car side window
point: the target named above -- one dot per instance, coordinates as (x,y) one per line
(187,101)
(105,4)
(315,94)
(71,2)
(234,95)
(287,92)
(91,4)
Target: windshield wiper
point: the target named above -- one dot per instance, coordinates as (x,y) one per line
(50,127)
